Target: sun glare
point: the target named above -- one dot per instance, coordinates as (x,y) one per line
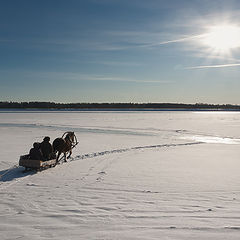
(222,38)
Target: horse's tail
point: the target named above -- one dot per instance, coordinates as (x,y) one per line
(58,144)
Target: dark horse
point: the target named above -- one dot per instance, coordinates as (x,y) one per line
(64,145)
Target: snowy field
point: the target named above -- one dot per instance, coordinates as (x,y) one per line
(133,175)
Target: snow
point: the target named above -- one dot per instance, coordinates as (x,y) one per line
(134,175)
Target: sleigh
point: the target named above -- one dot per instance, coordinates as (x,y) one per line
(65,144)
(31,164)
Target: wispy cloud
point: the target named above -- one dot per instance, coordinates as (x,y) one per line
(185,39)
(106,41)
(213,56)
(143,39)
(214,66)
(122,79)
(95,77)
(111,41)
(75,76)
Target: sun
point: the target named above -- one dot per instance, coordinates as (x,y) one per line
(222,38)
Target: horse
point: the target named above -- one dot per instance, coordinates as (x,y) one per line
(64,145)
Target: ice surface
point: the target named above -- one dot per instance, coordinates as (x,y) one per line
(134,175)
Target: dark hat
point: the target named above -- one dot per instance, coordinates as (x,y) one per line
(36,145)
(46,139)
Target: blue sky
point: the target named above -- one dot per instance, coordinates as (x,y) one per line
(117,51)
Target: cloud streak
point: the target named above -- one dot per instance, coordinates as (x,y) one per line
(214,66)
(185,39)
(122,79)
(74,76)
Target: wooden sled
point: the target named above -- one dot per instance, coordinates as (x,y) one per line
(30,164)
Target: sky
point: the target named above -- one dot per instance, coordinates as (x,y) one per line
(175,51)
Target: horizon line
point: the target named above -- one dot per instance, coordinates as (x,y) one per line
(115,103)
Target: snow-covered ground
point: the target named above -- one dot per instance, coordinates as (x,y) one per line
(134,175)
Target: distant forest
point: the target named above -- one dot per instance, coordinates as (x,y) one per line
(120,106)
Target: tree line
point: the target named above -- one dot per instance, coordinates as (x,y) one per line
(154,106)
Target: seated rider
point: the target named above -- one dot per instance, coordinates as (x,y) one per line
(35,152)
(47,149)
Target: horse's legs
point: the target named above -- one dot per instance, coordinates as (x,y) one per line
(65,156)
(70,153)
(58,155)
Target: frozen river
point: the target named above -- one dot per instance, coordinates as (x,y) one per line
(133,175)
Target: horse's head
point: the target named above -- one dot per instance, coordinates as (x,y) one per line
(70,137)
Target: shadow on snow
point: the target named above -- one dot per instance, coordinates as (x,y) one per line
(14,173)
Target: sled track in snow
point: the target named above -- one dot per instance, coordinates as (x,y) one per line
(14,174)
(96,154)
